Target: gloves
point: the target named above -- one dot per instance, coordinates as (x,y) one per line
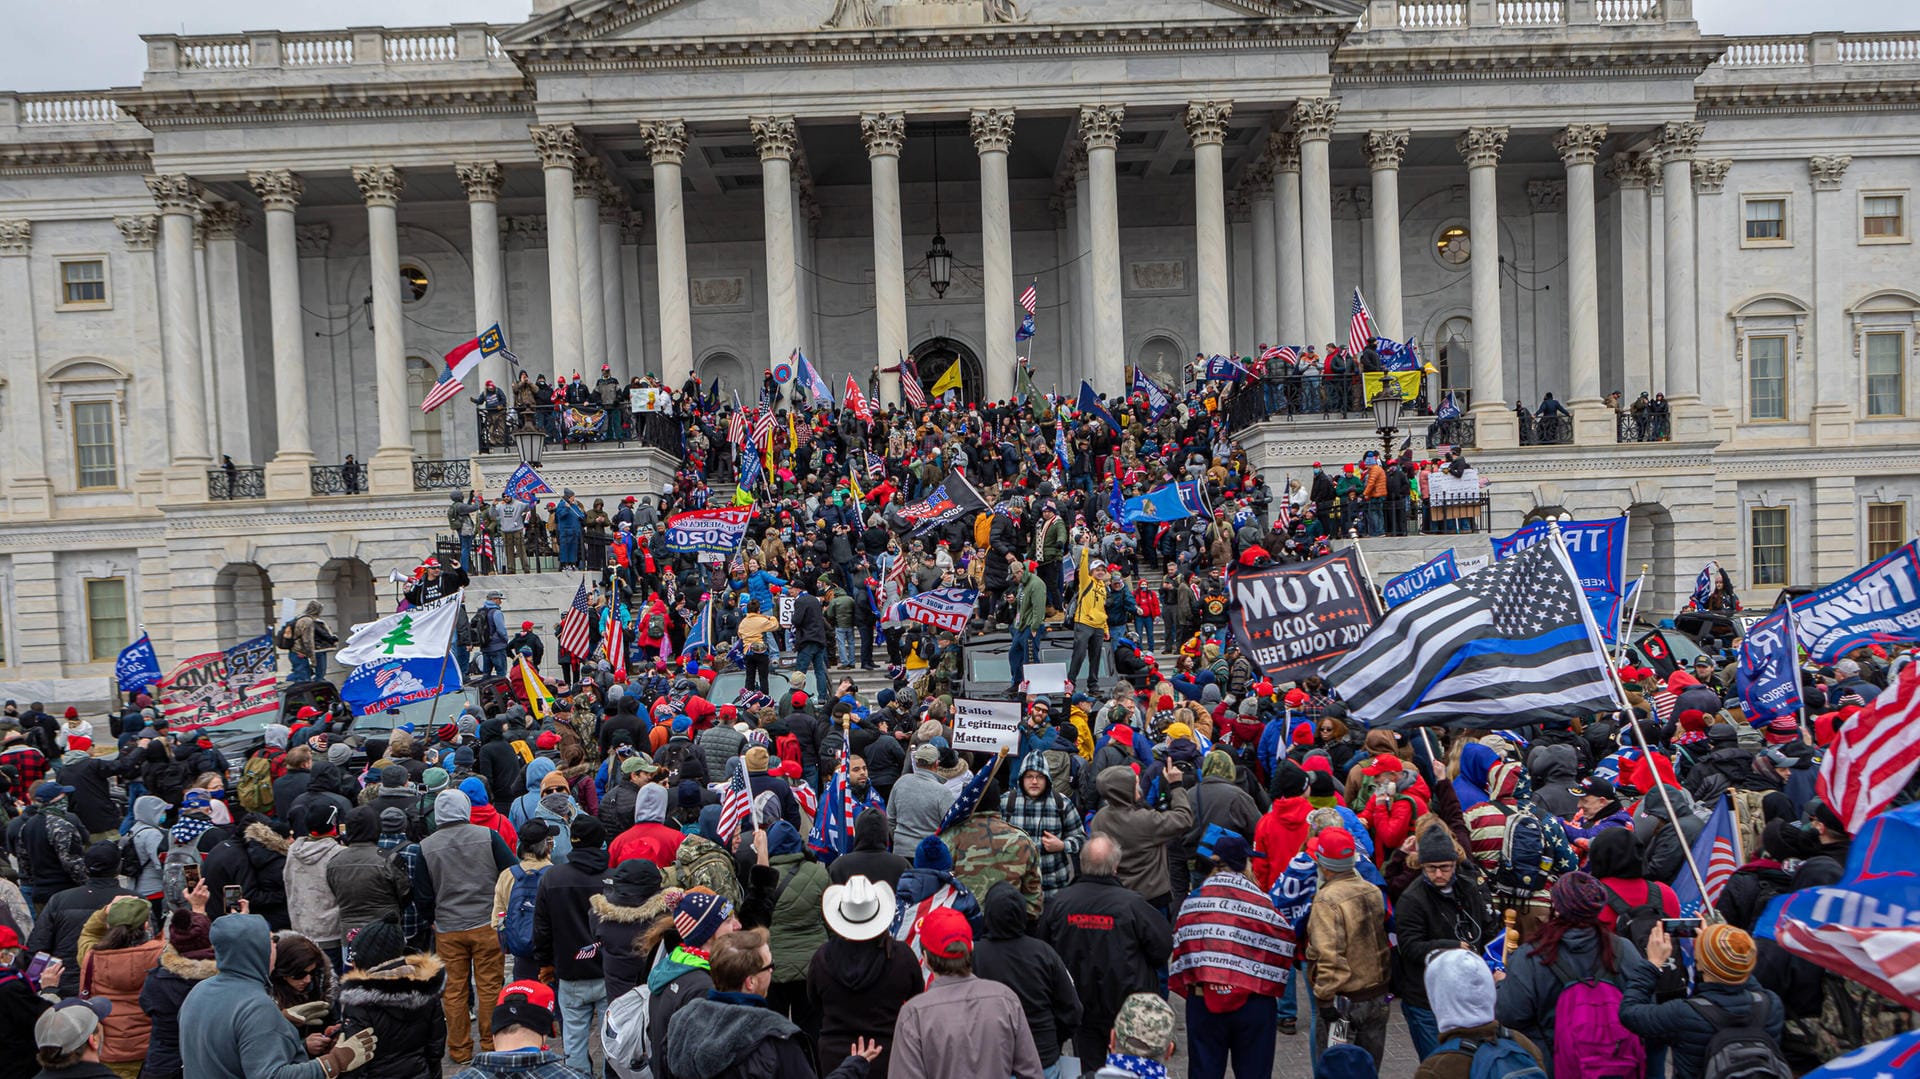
(308,1014)
(351,1052)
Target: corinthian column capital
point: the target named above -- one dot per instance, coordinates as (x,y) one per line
(884,133)
(279,189)
(1100,125)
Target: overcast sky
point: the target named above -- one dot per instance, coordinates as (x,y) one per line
(59,46)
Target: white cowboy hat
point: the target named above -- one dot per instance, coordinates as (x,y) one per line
(858,909)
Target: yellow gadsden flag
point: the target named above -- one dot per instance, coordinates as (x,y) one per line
(948,381)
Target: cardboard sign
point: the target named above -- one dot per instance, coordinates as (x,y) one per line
(1046,677)
(785,605)
(985,726)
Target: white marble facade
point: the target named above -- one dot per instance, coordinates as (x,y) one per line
(1574,196)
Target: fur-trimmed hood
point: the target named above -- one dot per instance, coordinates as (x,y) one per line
(266,837)
(192,970)
(651,910)
(410,982)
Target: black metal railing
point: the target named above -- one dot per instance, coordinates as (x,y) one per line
(1459,431)
(1473,513)
(1378,517)
(337,479)
(570,425)
(438,475)
(1648,425)
(224,485)
(1296,397)
(1552,430)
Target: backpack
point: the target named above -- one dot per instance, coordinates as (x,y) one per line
(703,863)
(656,625)
(624,1034)
(1636,924)
(283,637)
(788,748)
(1501,1058)
(674,756)
(516,929)
(1741,1050)
(255,789)
(170,781)
(1749,821)
(1525,861)
(479,630)
(130,862)
(1588,1040)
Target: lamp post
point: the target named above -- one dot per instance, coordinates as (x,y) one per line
(1386,414)
(939,259)
(529,439)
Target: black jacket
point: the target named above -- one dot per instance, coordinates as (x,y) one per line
(57,929)
(857,987)
(497,763)
(1108,933)
(563,936)
(711,1039)
(20,1007)
(624,960)
(886,760)
(1679,1024)
(288,788)
(165,990)
(808,731)
(256,860)
(1427,921)
(1750,889)
(809,621)
(92,797)
(616,806)
(53,843)
(400,1002)
(1029,967)
(870,857)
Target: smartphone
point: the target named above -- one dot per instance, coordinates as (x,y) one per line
(1681,927)
(39,964)
(190,874)
(230,896)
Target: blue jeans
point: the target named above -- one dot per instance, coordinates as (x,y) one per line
(1422,1028)
(1020,646)
(813,657)
(494,663)
(1310,395)
(302,667)
(1143,628)
(1244,1035)
(466,553)
(583,1006)
(849,639)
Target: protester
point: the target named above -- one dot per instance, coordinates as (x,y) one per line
(1347,956)
(1725,998)
(859,979)
(1461,988)
(1231,959)
(521,1022)
(1111,936)
(396,995)
(994,1039)
(730,1032)
(236,1029)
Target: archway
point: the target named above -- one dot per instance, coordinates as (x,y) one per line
(1650,543)
(724,371)
(933,356)
(345,591)
(242,603)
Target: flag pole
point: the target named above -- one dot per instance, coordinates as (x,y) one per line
(1620,645)
(1354,535)
(1793,656)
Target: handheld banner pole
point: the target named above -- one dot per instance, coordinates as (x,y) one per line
(1620,644)
(1793,656)
(1353,534)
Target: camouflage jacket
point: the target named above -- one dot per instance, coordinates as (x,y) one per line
(988,850)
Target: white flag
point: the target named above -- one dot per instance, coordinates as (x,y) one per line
(419,633)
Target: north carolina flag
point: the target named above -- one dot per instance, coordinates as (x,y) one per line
(461,362)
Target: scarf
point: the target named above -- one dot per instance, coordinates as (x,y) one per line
(1144,1067)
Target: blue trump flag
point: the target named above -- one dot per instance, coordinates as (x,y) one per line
(137,666)
(1117,506)
(1395,355)
(525,484)
(1703,586)
(1222,369)
(1875,604)
(1090,405)
(1157,400)
(1862,927)
(1606,610)
(1768,678)
(1598,550)
(1897,1057)
(1173,502)
(1428,575)
(700,634)
(809,377)
(376,687)
(1449,408)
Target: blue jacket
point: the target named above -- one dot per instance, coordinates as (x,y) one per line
(760,587)
(567,518)
(239,1032)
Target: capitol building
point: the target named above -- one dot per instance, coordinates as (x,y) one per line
(262,248)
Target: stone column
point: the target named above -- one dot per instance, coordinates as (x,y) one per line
(148,402)
(1385,151)
(587,180)
(559,147)
(1719,389)
(1579,147)
(884,133)
(481,179)
(1313,119)
(1838,383)
(992,130)
(613,292)
(1266,256)
(1636,358)
(1675,147)
(1286,202)
(391,468)
(1082,268)
(178,197)
(667,142)
(1493,420)
(221,223)
(29,492)
(1207,128)
(286,474)
(1100,128)
(775,137)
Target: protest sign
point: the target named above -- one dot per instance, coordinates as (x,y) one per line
(717,531)
(215,688)
(1294,618)
(1046,677)
(986,726)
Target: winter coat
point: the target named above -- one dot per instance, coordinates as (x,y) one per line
(149,839)
(256,860)
(1141,832)
(57,930)
(54,845)
(368,883)
(239,1032)
(1218,800)
(857,988)
(400,1002)
(993,1041)
(1458,1064)
(735,1036)
(92,798)
(311,904)
(621,930)
(1681,1026)
(1346,953)
(675,982)
(918,802)
(1427,921)
(165,990)
(1750,889)
(798,928)
(870,857)
(1114,939)
(1526,996)
(1277,838)
(717,745)
(563,937)
(118,975)
(1031,968)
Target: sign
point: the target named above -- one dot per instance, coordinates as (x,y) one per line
(1876,604)
(1424,577)
(376,687)
(216,688)
(985,726)
(1293,619)
(1046,678)
(717,531)
(1598,550)
(786,605)
(783,372)
(647,399)
(943,608)
(1444,486)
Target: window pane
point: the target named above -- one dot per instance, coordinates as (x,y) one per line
(1766,219)
(1886,528)
(1882,215)
(1767,377)
(1769,546)
(84,282)
(106,618)
(93,444)
(1885,378)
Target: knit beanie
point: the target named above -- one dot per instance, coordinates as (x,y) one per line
(1333,851)
(756,758)
(339,753)
(191,935)
(1725,953)
(932,854)
(1289,780)
(434,780)
(1460,990)
(375,944)
(1435,846)
(699,916)
(475,788)
(1577,897)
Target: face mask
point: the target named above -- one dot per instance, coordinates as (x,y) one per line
(557,802)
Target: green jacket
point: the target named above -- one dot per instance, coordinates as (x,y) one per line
(797,928)
(1030,611)
(1053,542)
(840,611)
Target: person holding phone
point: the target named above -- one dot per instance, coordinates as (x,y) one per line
(57,931)
(21,1002)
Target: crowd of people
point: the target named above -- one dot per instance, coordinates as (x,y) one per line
(633,878)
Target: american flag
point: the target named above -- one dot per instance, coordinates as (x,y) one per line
(615,640)
(1030,298)
(1282,517)
(876,466)
(1662,701)
(446,389)
(576,626)
(1274,353)
(1360,327)
(736,803)
(1875,753)
(910,383)
(1717,854)
(737,428)
(762,427)
(833,818)
(486,548)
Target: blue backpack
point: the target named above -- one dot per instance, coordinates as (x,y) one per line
(516,931)
(1501,1058)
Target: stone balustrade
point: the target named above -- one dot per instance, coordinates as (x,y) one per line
(356,47)
(1440,15)
(1821,50)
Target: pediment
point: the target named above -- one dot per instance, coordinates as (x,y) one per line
(589,22)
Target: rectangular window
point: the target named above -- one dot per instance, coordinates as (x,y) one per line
(1767,378)
(1886,375)
(1769,546)
(1766,219)
(106,617)
(83,283)
(1883,217)
(1886,528)
(93,444)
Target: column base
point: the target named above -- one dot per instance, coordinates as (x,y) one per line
(185,481)
(1495,428)
(1831,425)
(30,498)
(1691,420)
(1593,424)
(390,472)
(288,475)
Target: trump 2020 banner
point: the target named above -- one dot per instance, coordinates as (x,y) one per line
(1425,577)
(1293,619)
(1768,678)
(1865,927)
(1598,550)
(219,687)
(376,687)
(942,608)
(1875,604)
(708,531)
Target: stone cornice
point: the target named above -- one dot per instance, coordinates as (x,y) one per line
(161,109)
(1501,60)
(88,156)
(1713,100)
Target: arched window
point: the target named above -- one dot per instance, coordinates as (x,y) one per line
(426,427)
(1886,330)
(1769,332)
(1453,354)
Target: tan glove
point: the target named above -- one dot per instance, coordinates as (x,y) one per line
(308,1014)
(351,1052)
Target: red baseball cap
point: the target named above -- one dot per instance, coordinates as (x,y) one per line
(8,938)
(524,626)
(547,739)
(1381,765)
(1332,843)
(945,932)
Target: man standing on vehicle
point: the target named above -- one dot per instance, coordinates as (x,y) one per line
(492,636)
(1029,619)
(1088,614)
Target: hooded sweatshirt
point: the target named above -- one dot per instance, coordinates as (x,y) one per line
(149,835)
(311,905)
(1030,967)
(1141,832)
(1554,771)
(523,807)
(857,987)
(1280,835)
(239,1031)
(460,859)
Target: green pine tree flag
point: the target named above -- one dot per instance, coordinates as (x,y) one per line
(402,634)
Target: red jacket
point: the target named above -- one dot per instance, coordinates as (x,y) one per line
(651,840)
(1277,838)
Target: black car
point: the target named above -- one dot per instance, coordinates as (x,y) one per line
(985,668)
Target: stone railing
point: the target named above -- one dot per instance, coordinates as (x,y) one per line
(1517,14)
(67,109)
(1822,50)
(358,47)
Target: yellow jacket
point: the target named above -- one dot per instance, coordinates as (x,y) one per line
(1092,608)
